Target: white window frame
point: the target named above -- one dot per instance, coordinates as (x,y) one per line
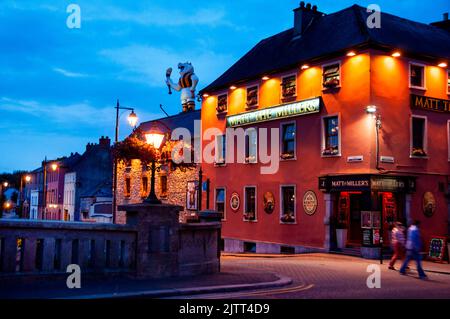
(224,201)
(251,129)
(281,203)
(446,83)
(425,136)
(216,151)
(296,85)
(340,74)
(228,102)
(245,204)
(424,87)
(448,139)
(258,96)
(323,118)
(295,140)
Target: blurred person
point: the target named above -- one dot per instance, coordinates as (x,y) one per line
(413,249)
(398,244)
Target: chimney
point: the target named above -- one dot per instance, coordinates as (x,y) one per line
(104,141)
(444,24)
(303,17)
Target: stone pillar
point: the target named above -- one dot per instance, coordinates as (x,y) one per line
(327,219)
(408,199)
(157,239)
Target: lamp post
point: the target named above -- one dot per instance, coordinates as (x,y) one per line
(155,139)
(3,186)
(27,179)
(132,120)
(372,110)
(54,167)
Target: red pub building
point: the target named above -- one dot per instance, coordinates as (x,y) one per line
(363,118)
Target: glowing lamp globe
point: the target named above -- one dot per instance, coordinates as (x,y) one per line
(154,139)
(132,119)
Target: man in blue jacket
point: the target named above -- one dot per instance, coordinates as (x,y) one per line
(413,248)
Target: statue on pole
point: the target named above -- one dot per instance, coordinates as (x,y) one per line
(186,84)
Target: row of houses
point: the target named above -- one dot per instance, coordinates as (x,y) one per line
(72,188)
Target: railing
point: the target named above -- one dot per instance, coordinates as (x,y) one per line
(48,247)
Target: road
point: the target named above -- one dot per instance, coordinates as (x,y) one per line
(324,276)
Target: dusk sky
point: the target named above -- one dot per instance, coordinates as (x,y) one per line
(59,86)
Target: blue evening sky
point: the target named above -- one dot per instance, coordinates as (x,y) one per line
(58,86)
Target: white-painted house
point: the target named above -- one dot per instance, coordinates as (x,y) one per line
(70,180)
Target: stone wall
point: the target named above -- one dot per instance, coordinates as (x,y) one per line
(176,186)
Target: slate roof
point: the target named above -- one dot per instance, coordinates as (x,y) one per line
(332,34)
(184,120)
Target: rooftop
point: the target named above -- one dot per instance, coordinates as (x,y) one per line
(341,31)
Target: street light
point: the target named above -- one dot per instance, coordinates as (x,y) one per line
(54,167)
(5,184)
(132,120)
(372,110)
(154,138)
(27,179)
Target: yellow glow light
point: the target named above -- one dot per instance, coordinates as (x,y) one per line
(265,78)
(154,139)
(132,119)
(396,54)
(442,65)
(305,66)
(351,53)
(54,167)
(205,95)
(233,87)
(28,178)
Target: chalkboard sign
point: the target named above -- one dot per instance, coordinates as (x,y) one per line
(367,236)
(437,248)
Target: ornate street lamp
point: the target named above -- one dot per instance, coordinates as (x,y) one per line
(154,138)
(132,120)
(27,179)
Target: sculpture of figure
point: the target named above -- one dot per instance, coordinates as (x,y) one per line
(186,84)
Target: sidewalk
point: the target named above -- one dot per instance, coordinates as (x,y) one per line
(428,266)
(232,278)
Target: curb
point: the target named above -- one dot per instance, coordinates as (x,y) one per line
(281,282)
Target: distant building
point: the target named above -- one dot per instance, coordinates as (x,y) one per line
(69,196)
(96,204)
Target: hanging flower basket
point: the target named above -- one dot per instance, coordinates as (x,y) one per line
(135,147)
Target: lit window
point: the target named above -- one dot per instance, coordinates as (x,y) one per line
(220,201)
(331,76)
(163,185)
(418,136)
(250,203)
(251,140)
(222,103)
(288,87)
(288,141)
(252,97)
(127,189)
(287,204)
(221,144)
(331,136)
(416,76)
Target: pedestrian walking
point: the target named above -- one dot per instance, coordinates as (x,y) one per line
(398,243)
(413,249)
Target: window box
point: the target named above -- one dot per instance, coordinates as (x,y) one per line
(249,216)
(418,152)
(288,218)
(287,156)
(331,75)
(222,104)
(331,151)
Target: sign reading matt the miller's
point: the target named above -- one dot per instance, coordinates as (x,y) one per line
(430,104)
